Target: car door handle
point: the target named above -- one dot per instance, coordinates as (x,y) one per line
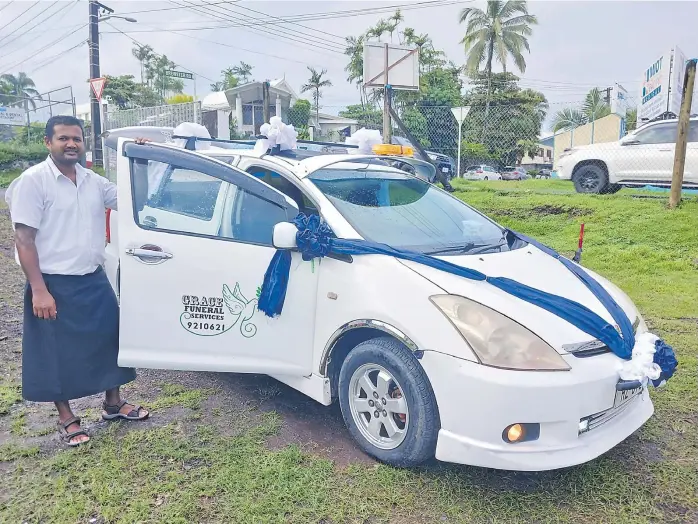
(149,254)
(666,150)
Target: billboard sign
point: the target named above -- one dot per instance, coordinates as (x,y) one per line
(619,100)
(654,92)
(662,86)
(402,64)
(13,116)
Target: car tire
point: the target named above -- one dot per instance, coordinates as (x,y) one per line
(386,362)
(590,178)
(613,188)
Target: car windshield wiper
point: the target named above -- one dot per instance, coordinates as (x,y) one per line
(456,249)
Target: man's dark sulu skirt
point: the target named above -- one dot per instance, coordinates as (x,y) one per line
(75,355)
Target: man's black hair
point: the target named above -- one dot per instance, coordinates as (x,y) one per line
(62,120)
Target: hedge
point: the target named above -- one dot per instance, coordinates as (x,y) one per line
(11,153)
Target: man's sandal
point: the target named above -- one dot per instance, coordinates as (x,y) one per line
(69,436)
(114,412)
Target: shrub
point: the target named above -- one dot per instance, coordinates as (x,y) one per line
(10,154)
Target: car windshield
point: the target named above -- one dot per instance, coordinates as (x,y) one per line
(397,209)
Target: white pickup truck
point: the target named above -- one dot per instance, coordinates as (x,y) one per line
(644,156)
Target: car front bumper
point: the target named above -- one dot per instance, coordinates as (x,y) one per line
(476,403)
(564,168)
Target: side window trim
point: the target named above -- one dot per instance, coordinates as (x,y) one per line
(255,164)
(187,160)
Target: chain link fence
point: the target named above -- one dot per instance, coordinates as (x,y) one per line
(510,142)
(170,115)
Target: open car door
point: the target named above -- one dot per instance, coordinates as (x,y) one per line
(195,239)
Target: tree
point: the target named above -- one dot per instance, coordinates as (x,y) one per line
(631,119)
(593,108)
(527,147)
(126,93)
(217,86)
(20,91)
(518,115)
(180,98)
(242,71)
(144,54)
(299,114)
(498,33)
(568,118)
(366,116)
(158,79)
(315,83)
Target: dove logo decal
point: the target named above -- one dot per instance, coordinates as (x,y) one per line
(210,316)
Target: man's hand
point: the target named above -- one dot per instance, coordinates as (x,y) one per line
(44,305)
(142,141)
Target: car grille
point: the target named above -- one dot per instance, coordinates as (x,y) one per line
(593,347)
(599,419)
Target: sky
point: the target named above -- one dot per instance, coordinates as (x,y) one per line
(575,46)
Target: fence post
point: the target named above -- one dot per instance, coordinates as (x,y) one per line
(682,134)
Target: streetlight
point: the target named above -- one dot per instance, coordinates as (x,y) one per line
(128,19)
(96,110)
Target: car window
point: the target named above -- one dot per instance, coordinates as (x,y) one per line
(658,134)
(285,186)
(393,208)
(169,198)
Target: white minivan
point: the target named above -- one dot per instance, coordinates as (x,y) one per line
(424,363)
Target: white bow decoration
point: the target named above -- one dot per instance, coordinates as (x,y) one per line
(365,139)
(277,134)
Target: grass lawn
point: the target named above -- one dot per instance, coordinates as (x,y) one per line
(190,468)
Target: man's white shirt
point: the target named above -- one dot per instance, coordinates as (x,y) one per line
(69,218)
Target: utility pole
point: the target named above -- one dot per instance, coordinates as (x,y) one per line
(608,95)
(387,91)
(95,110)
(265,101)
(689,83)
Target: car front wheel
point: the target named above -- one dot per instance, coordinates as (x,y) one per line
(590,178)
(388,404)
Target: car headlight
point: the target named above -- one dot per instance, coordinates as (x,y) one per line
(497,340)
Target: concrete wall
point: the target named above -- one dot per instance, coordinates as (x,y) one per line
(606,129)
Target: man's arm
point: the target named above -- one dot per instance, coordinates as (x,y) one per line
(43,302)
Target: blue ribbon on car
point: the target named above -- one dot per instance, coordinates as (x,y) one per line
(315,239)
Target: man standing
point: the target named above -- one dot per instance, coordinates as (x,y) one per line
(71,315)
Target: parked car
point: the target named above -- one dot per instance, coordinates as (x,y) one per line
(423,363)
(482,172)
(444,163)
(544,173)
(514,173)
(644,156)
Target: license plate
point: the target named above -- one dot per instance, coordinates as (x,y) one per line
(444,170)
(625,396)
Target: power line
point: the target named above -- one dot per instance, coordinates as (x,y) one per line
(162,9)
(19,16)
(8,4)
(33,53)
(264,32)
(304,17)
(288,33)
(293,23)
(156,54)
(285,59)
(38,23)
(50,59)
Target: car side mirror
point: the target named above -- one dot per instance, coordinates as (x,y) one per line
(284,236)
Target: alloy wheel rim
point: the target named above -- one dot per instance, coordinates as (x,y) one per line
(378,406)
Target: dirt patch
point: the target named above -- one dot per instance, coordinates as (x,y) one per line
(570,211)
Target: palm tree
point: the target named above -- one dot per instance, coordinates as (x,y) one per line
(498,33)
(218,86)
(568,118)
(631,119)
(21,90)
(144,54)
(315,83)
(242,71)
(393,22)
(593,108)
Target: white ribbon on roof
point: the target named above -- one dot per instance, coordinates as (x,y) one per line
(277,134)
(365,139)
